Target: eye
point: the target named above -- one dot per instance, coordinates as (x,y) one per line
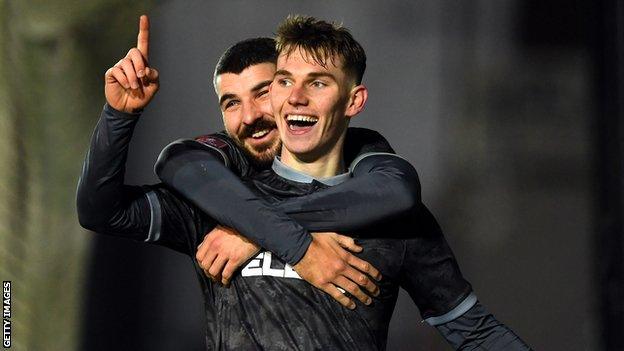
(284,82)
(319,84)
(263,93)
(230,104)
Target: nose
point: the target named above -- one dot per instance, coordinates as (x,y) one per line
(297,96)
(251,112)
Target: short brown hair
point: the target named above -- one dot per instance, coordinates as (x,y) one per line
(322,40)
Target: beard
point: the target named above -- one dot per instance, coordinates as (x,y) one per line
(261,156)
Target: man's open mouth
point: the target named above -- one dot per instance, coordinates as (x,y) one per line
(300,122)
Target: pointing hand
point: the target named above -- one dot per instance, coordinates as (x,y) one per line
(131,84)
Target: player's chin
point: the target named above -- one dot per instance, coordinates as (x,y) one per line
(261,159)
(262,140)
(300,146)
(263,152)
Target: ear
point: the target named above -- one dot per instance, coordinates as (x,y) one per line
(357,100)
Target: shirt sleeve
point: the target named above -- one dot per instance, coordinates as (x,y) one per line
(384,187)
(106,205)
(199,173)
(430,272)
(477,329)
(175,223)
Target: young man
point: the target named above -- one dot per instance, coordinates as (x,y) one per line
(315,92)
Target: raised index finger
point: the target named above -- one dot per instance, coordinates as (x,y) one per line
(143,37)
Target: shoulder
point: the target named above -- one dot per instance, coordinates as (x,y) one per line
(219,140)
(235,158)
(360,141)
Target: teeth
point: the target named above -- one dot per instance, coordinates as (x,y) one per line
(301,118)
(260,134)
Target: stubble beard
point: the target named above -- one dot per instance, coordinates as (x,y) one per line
(261,158)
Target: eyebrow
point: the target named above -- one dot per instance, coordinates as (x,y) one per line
(262,85)
(321,75)
(284,72)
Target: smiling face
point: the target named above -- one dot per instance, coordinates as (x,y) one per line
(246,109)
(312,105)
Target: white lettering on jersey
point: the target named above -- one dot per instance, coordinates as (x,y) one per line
(263,264)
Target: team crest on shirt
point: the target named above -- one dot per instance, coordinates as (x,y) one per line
(264,265)
(211,140)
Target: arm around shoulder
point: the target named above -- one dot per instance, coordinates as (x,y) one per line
(392,173)
(384,186)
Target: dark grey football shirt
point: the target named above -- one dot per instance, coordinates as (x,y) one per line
(268,306)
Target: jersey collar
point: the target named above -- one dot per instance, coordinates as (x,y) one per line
(289,173)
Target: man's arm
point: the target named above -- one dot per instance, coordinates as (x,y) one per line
(104,203)
(198,173)
(384,186)
(432,277)
(477,329)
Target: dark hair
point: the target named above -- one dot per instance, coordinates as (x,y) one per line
(246,53)
(323,41)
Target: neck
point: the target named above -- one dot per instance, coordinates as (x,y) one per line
(327,165)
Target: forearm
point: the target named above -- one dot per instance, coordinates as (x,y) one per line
(201,177)
(384,186)
(477,329)
(104,203)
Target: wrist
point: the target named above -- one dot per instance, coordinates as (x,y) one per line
(301,251)
(122,114)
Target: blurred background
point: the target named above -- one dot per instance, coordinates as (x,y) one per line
(510,110)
